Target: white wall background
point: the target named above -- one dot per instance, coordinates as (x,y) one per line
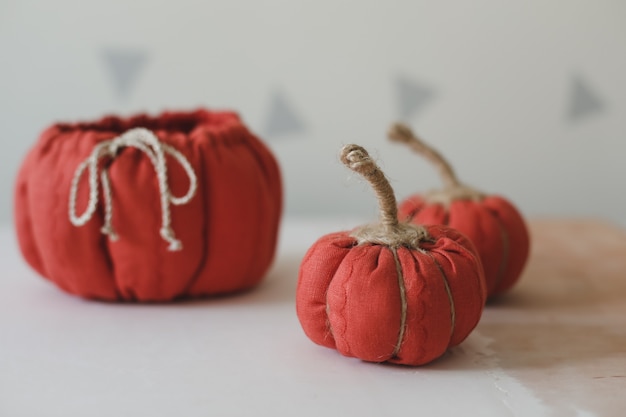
(526,98)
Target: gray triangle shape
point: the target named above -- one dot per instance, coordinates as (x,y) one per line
(124,67)
(584,102)
(282,119)
(412,97)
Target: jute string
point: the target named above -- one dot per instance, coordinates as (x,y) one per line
(449,293)
(389,232)
(147,142)
(453,188)
(403,303)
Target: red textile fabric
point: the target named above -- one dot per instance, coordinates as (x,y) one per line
(348,296)
(228,229)
(494,226)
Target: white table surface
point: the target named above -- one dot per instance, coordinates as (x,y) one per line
(246,355)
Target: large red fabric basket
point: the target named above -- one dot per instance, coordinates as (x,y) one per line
(184,205)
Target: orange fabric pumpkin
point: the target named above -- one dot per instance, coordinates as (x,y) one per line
(183,204)
(391,292)
(492,223)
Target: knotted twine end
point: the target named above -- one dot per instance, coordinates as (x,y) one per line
(168,235)
(108,230)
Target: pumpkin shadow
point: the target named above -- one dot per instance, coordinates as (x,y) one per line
(451,360)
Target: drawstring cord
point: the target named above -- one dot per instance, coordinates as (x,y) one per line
(147,142)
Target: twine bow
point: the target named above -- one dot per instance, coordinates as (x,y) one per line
(147,142)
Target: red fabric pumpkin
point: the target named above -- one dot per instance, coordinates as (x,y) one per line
(183,204)
(391,292)
(492,223)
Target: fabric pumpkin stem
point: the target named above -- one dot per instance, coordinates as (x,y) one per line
(390,232)
(358,160)
(403,134)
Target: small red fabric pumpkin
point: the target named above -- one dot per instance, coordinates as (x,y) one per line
(390,292)
(183,204)
(492,223)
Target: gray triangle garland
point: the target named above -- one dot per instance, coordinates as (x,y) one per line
(412,97)
(124,67)
(282,119)
(584,101)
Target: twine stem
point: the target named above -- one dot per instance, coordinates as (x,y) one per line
(403,134)
(358,160)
